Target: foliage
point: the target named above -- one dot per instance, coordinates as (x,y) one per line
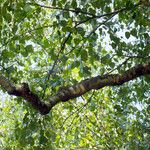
(60,45)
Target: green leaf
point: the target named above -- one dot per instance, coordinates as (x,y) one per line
(63,23)
(43,139)
(24,53)
(114,38)
(46,43)
(129,4)
(87,70)
(67,29)
(118,108)
(134,32)
(105,59)
(81,31)
(29,48)
(84,55)
(8,17)
(146,36)
(27,8)
(92,10)
(54,3)
(127,34)
(114,45)
(74,4)
(77,41)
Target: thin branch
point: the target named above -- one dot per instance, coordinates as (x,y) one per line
(119,66)
(55,62)
(106,14)
(100,16)
(77,10)
(102,23)
(77,110)
(65,41)
(137,56)
(145,3)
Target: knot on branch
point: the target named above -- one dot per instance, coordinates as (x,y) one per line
(21,89)
(25,87)
(64,93)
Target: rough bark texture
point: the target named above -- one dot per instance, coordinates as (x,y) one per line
(74,91)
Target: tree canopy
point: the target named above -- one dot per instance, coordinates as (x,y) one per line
(75,74)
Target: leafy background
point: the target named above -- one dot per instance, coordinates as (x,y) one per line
(49,48)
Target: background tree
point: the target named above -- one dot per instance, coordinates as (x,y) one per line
(74,54)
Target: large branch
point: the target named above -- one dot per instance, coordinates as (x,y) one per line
(67,93)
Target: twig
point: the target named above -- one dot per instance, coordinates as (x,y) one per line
(100,16)
(119,65)
(77,10)
(102,23)
(138,56)
(55,62)
(107,14)
(77,110)
(91,33)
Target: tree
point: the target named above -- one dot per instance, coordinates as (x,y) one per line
(92,56)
